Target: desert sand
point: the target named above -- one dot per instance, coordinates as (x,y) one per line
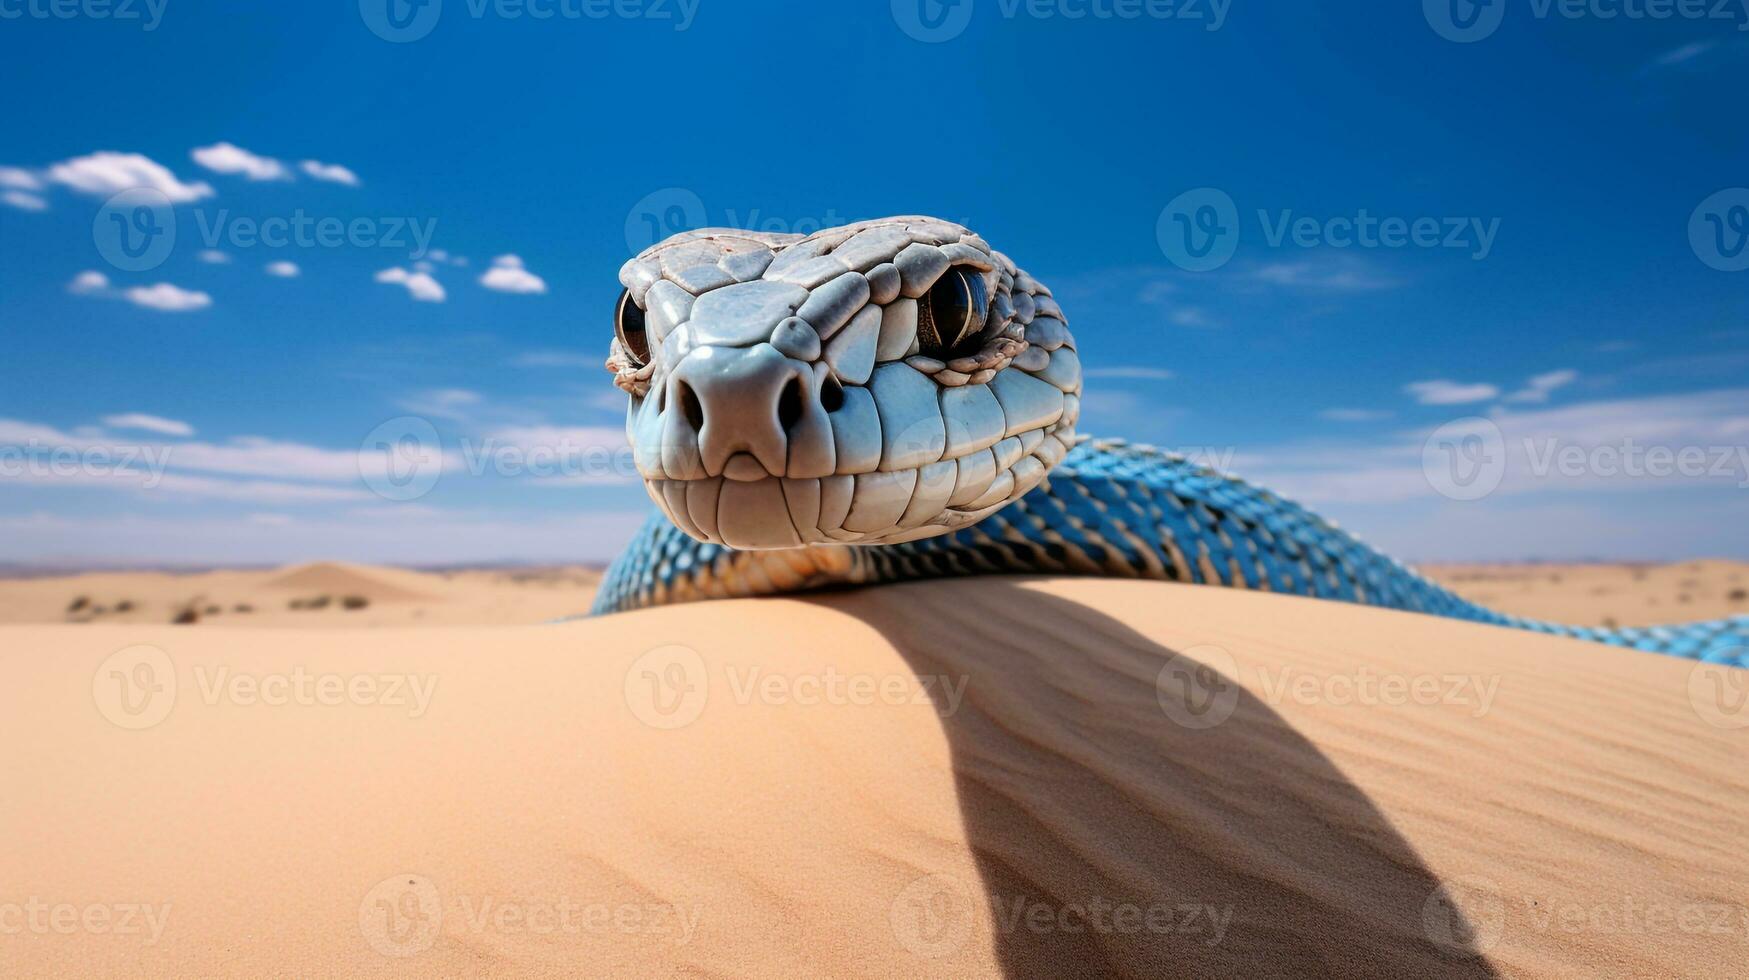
(996,777)
(322,595)
(1604,594)
(330,595)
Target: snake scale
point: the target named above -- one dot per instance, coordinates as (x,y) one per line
(895,400)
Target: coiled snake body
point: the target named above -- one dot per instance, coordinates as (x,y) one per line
(895,400)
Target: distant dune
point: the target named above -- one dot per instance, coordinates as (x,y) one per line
(321,595)
(993,777)
(1616,594)
(1620,594)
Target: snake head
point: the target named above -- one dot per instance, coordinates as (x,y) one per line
(876,383)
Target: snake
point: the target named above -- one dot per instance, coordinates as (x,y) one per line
(894,400)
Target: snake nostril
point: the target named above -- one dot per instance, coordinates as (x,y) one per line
(831,395)
(789,404)
(689,405)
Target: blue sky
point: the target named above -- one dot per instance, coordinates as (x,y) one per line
(1563,157)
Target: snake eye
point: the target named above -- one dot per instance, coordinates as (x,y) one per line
(950,317)
(628,325)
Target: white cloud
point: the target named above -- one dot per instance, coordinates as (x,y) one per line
(1540,446)
(1318,271)
(19,178)
(419,284)
(443,403)
(24,200)
(107,172)
(1189,316)
(1442,392)
(508,275)
(168,298)
(364,533)
(1353,415)
(89,283)
(284,270)
(333,173)
(228,158)
(1537,389)
(149,423)
(213,256)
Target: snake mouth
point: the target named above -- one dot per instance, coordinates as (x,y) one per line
(880,507)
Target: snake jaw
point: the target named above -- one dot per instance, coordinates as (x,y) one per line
(789,400)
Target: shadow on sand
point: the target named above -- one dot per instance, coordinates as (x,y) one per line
(1241,848)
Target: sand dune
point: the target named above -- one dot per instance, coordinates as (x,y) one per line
(1619,594)
(324,595)
(971,778)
